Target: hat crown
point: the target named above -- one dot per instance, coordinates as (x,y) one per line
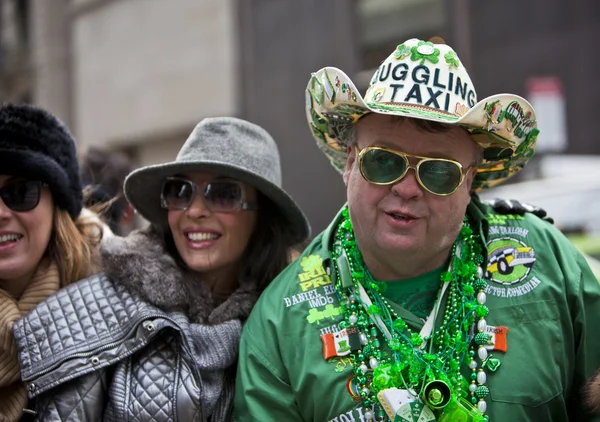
(423,74)
(37,145)
(234,142)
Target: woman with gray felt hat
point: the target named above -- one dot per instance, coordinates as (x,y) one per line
(157,334)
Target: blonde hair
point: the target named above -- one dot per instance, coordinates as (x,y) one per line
(74,246)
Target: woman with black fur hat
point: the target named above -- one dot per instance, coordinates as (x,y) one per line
(44,242)
(156,337)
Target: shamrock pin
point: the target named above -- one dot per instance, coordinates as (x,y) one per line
(452,59)
(425,50)
(401,52)
(492,363)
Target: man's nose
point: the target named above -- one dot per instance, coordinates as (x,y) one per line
(408,187)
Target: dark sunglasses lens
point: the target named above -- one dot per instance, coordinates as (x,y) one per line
(223,196)
(380,166)
(21,196)
(177,194)
(441,177)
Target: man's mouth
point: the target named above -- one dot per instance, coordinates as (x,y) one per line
(401,216)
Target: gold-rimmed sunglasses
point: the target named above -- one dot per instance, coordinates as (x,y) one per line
(385,166)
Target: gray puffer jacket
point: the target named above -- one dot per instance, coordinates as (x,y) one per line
(142,342)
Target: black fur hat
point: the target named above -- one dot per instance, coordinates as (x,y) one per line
(36,145)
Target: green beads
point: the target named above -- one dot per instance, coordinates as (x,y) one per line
(480,284)
(481,338)
(482,311)
(446,276)
(358,276)
(468,290)
(482,392)
(416,339)
(395,344)
(466,231)
(382,378)
(399,325)
(404,364)
(374,310)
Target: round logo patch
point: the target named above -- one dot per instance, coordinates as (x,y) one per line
(509,260)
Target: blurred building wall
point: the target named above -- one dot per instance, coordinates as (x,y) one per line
(144,70)
(515,40)
(282,42)
(16,76)
(50,52)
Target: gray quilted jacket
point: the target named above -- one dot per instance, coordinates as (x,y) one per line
(142,342)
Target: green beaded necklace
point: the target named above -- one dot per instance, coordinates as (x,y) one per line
(409,361)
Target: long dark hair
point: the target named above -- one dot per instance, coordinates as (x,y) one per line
(269,249)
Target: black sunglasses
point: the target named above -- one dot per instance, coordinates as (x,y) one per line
(21,196)
(178,193)
(385,166)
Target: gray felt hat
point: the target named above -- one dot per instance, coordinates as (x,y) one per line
(226,146)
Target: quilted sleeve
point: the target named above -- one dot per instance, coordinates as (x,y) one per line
(81,399)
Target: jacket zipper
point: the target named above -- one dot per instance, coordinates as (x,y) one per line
(102,348)
(185,345)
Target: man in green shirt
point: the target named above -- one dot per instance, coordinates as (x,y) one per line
(419,303)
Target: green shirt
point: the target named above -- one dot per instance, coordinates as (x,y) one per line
(540,287)
(417,295)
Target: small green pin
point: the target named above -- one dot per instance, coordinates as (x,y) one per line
(492,363)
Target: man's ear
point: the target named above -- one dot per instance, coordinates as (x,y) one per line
(349,163)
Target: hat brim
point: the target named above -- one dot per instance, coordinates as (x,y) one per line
(505,153)
(142,189)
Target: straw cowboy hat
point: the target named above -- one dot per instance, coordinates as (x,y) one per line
(423,80)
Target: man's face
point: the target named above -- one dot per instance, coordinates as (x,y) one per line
(403,230)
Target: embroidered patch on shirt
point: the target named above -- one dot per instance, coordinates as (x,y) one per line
(509,260)
(313,274)
(509,266)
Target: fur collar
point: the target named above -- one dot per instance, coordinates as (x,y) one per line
(141,262)
(593,392)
